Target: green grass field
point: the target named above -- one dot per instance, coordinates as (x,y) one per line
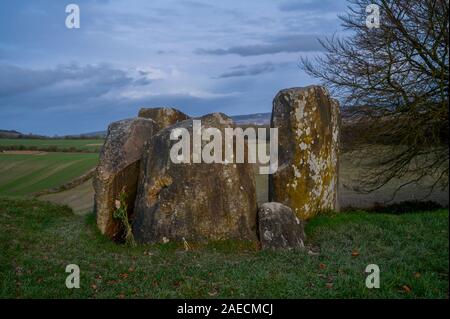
(24,174)
(39,239)
(92,145)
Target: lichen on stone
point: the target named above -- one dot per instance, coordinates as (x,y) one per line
(308,121)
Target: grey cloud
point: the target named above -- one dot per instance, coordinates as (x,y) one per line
(323,6)
(98,79)
(196,5)
(74,99)
(162,52)
(142,81)
(286,44)
(49,115)
(141,72)
(250,70)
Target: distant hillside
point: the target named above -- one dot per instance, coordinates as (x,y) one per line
(252,119)
(9,134)
(249,119)
(97,134)
(16,134)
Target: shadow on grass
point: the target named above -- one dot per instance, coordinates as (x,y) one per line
(404,207)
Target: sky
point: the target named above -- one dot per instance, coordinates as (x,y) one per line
(198,56)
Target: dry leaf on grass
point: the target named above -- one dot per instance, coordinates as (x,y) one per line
(406,288)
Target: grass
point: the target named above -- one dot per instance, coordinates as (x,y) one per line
(91,145)
(38,240)
(24,174)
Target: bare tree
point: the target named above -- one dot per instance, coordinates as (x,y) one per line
(393,83)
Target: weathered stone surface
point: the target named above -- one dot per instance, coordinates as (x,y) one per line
(118,169)
(308,123)
(194,201)
(163,116)
(279,228)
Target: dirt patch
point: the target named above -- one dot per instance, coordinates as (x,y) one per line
(79,198)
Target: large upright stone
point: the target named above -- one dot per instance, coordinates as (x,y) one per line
(163,116)
(193,201)
(308,123)
(118,170)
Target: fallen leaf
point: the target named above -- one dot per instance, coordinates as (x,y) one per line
(329,285)
(94,286)
(322,266)
(355,253)
(406,288)
(124,275)
(417,275)
(121,296)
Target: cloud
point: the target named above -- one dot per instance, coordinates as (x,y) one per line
(250,70)
(96,79)
(95,113)
(196,4)
(70,99)
(323,6)
(149,47)
(284,44)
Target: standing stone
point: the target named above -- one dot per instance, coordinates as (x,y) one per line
(193,201)
(279,228)
(308,123)
(118,170)
(163,116)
